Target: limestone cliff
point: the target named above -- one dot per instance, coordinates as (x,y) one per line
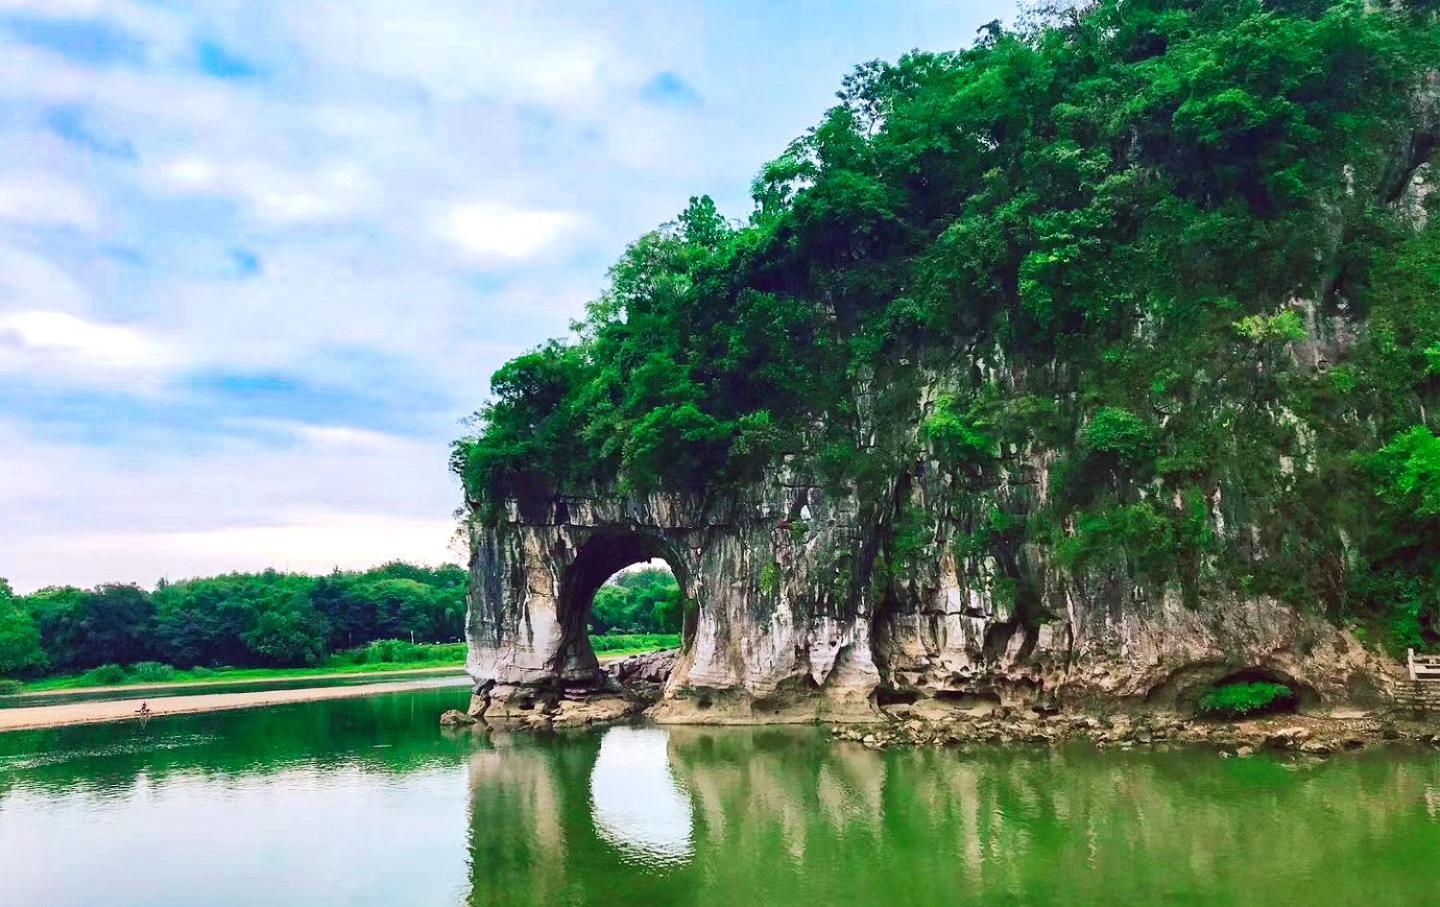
(795,622)
(1095,388)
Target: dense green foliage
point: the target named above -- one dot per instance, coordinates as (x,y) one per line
(1236,700)
(20,651)
(399,651)
(1092,233)
(384,654)
(240,619)
(640,601)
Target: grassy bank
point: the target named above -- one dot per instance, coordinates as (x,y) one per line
(615,644)
(385,655)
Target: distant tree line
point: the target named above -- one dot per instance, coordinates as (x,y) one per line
(274,619)
(642,601)
(268,619)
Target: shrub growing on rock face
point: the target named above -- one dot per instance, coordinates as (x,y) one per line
(1120,433)
(1237,700)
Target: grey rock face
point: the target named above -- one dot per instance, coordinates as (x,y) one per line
(649,667)
(799,617)
(768,642)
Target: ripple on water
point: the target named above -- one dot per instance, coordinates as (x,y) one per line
(17,762)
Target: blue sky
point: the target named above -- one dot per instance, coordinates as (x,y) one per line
(259,259)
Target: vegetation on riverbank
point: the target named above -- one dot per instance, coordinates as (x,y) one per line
(276,625)
(415,657)
(249,620)
(614,644)
(379,657)
(647,600)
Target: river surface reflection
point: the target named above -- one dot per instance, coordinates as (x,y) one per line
(367,802)
(635,801)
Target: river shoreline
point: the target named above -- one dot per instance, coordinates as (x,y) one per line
(222,680)
(21,718)
(1308,734)
(112,710)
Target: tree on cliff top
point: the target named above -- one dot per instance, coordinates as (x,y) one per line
(1176,163)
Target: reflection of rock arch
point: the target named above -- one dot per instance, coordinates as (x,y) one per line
(519,805)
(786,815)
(638,806)
(557,820)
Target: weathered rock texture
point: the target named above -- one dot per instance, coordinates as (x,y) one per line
(644,675)
(763,646)
(800,618)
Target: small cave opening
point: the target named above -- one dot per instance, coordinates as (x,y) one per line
(969,699)
(887,696)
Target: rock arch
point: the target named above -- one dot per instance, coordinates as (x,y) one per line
(599,557)
(767,641)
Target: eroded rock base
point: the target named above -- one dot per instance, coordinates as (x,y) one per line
(1314,735)
(624,689)
(551,708)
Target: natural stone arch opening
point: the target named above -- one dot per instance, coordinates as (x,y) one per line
(601,557)
(1181,691)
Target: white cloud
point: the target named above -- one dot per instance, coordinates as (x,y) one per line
(333,496)
(274,195)
(41,199)
(322,223)
(455,50)
(58,8)
(337,436)
(498,230)
(82,342)
(315,545)
(28,280)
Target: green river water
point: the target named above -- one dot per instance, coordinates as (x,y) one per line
(368,802)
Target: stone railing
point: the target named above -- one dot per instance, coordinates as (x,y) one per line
(1424,667)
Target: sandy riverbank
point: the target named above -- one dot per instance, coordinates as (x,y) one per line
(160,689)
(98,711)
(44,716)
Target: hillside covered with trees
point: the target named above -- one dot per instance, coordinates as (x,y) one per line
(1177,256)
(647,600)
(265,619)
(274,619)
